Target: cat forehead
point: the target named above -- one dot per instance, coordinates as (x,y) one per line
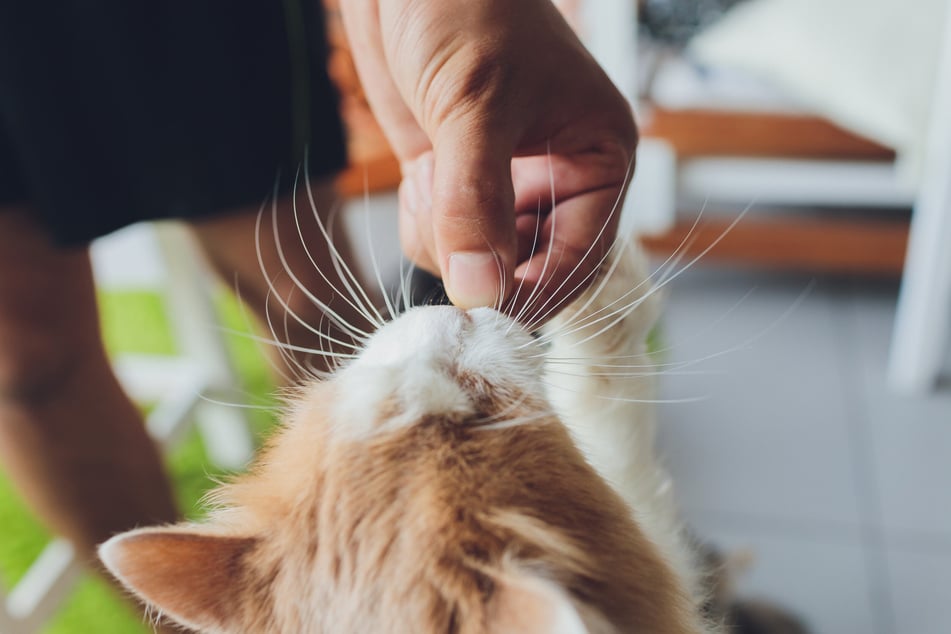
(435,361)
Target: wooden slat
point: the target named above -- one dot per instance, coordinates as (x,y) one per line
(373,167)
(376,174)
(695,133)
(804,244)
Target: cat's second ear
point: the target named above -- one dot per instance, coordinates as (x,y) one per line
(532,605)
(193,578)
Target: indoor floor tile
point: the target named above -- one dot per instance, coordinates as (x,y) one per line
(796,449)
(921,591)
(910,436)
(823,583)
(770,435)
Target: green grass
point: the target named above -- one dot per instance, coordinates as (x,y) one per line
(132,321)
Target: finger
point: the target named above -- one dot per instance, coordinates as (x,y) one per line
(416,232)
(362,22)
(568,173)
(577,237)
(473,218)
(416,247)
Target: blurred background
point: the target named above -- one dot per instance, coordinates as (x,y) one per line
(793,188)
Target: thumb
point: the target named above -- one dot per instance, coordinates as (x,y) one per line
(473,217)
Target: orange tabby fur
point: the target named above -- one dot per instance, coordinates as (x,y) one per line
(417,527)
(437,522)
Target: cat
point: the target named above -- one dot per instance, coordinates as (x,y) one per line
(459,476)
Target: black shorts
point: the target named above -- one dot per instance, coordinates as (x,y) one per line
(115,111)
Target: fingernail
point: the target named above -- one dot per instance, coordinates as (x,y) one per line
(474,279)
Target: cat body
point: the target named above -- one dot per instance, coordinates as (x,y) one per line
(433,486)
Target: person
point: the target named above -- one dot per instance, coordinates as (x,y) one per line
(117,112)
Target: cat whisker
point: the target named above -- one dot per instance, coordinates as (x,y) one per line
(604,277)
(344,272)
(287,346)
(746,343)
(536,290)
(153,617)
(290,359)
(335,361)
(289,362)
(621,399)
(273,291)
(406,275)
(659,351)
(595,271)
(332,362)
(242,308)
(661,273)
(521,283)
(541,316)
(497,305)
(378,275)
(339,321)
(620,244)
(214,401)
(602,362)
(616,316)
(544,287)
(321,336)
(616,373)
(514,422)
(681,342)
(354,303)
(504,413)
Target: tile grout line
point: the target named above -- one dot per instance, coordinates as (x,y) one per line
(826,532)
(861,458)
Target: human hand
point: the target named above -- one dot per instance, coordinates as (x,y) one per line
(492,108)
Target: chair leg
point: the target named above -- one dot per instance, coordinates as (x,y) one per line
(189,291)
(41,591)
(924,305)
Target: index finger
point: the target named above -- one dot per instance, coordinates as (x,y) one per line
(473,218)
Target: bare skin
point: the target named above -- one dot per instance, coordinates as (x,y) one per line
(70,439)
(489,104)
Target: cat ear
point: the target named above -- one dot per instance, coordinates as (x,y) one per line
(533,606)
(190,577)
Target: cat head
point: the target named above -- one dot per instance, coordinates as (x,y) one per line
(426,487)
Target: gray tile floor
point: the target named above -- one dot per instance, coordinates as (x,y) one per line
(796,451)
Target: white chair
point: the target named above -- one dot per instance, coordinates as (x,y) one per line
(919,343)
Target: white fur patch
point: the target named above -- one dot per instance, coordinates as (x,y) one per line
(408,368)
